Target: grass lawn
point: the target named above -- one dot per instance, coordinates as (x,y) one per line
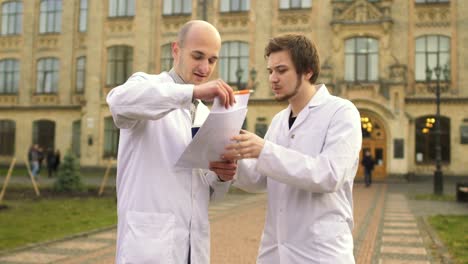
(31,221)
(23,172)
(453,230)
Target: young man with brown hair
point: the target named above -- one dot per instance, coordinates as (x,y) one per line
(307,161)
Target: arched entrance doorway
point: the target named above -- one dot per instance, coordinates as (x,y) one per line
(44,134)
(374,140)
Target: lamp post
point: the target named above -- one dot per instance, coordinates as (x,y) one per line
(239,74)
(436,88)
(253,77)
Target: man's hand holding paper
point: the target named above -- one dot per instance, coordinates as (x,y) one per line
(216,132)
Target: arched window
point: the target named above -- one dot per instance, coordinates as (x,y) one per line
(119,64)
(431,1)
(167,60)
(47,76)
(12,17)
(234,5)
(50,20)
(83,16)
(111,138)
(7,137)
(234,56)
(177,7)
(80,74)
(431,51)
(261,127)
(295,4)
(76,138)
(121,8)
(426,138)
(361,59)
(9,76)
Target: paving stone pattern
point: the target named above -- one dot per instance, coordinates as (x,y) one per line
(389,229)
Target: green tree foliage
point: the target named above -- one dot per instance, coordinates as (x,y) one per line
(69,179)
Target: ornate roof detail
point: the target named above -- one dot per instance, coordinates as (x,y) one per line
(433,16)
(361,12)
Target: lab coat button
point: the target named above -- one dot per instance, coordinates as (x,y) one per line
(292,136)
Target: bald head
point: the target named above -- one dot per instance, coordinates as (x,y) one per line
(196,51)
(195,27)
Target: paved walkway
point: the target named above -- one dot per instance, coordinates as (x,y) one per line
(389,229)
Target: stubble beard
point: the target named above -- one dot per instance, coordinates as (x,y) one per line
(286,97)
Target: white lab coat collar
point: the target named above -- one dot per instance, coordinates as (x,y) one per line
(320,97)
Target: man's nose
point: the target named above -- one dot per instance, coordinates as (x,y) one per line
(273,78)
(204,66)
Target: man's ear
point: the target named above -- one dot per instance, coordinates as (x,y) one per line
(309,74)
(175,49)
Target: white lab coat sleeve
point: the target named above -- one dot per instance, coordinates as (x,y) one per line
(218,189)
(146,97)
(326,172)
(247,178)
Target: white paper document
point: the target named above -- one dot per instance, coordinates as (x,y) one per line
(215,133)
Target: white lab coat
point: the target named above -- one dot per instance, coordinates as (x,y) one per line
(161,209)
(308,171)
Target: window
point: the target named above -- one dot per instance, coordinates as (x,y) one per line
(234,5)
(121,8)
(119,64)
(111,138)
(167,61)
(44,134)
(261,127)
(431,51)
(47,76)
(431,1)
(425,139)
(361,59)
(177,7)
(295,4)
(7,137)
(50,20)
(80,74)
(83,16)
(12,13)
(234,56)
(9,76)
(76,136)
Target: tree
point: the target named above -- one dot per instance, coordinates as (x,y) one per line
(69,179)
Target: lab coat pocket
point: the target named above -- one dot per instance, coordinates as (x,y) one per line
(328,230)
(333,242)
(149,238)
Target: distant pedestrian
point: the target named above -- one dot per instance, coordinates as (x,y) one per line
(57,161)
(33,156)
(40,157)
(368,163)
(51,159)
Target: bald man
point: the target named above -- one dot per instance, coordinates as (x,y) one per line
(163,210)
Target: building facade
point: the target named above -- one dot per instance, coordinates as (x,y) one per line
(59,59)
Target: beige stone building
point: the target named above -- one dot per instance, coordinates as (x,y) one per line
(59,59)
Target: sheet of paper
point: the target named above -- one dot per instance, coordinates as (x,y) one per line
(241,102)
(215,133)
